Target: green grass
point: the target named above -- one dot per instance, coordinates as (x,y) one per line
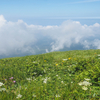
(50,77)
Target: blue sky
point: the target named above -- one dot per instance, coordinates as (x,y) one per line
(50,8)
(29,27)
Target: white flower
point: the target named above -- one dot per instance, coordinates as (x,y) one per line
(2,89)
(40,75)
(34,95)
(19,96)
(25,87)
(28,79)
(80,83)
(86,79)
(59,77)
(98,54)
(34,79)
(34,61)
(65,59)
(62,82)
(57,95)
(84,83)
(56,75)
(45,80)
(34,72)
(69,74)
(1,84)
(71,82)
(84,88)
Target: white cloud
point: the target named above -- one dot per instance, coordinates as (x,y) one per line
(72,32)
(18,37)
(2,21)
(96,43)
(47,51)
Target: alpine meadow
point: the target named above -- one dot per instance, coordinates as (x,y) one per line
(50,50)
(67,75)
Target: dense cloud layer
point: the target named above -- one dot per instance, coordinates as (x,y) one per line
(19,37)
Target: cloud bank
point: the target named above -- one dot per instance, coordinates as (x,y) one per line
(18,38)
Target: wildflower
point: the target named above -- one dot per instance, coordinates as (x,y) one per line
(1,84)
(59,77)
(14,81)
(44,60)
(3,89)
(84,88)
(34,95)
(56,64)
(56,75)
(69,58)
(65,59)
(80,83)
(99,55)
(45,80)
(40,75)
(34,72)
(86,79)
(57,95)
(11,78)
(69,74)
(62,82)
(19,96)
(25,87)
(34,62)
(28,79)
(84,83)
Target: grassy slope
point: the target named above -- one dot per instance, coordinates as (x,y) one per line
(80,64)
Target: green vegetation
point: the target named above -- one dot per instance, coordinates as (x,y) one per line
(70,75)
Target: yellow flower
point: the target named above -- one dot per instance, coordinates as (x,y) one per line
(63,61)
(69,58)
(56,64)
(44,60)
